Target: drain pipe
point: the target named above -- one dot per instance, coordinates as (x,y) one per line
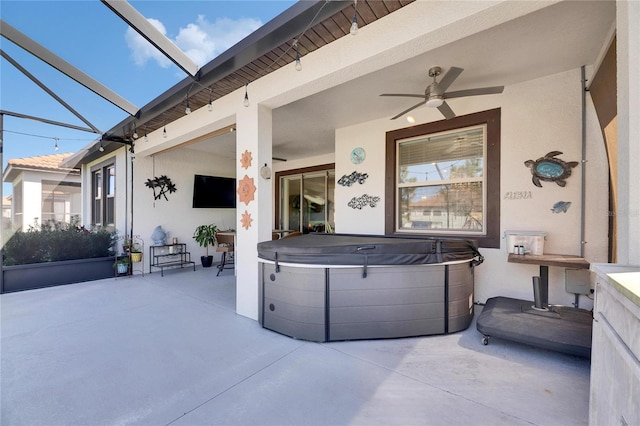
(132,156)
(584,161)
(584,177)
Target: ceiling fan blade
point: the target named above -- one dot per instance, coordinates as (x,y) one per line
(404,95)
(446,110)
(407,110)
(474,92)
(449,78)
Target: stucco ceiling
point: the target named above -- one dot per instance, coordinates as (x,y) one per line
(553,40)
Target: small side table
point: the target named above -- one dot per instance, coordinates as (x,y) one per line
(558,328)
(545,260)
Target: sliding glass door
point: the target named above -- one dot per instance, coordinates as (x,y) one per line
(307,201)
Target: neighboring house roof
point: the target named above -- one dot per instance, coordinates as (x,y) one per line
(46,163)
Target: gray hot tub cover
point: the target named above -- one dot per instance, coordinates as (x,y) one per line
(368,250)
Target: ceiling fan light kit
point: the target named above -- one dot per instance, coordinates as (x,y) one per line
(434,101)
(435,95)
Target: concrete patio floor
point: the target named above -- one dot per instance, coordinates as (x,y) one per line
(170,350)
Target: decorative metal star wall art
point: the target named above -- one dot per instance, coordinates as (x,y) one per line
(246,159)
(246,220)
(246,190)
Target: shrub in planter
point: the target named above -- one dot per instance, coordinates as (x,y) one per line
(55,241)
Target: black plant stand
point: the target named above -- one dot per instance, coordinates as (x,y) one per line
(169,256)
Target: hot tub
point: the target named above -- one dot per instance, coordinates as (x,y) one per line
(325,287)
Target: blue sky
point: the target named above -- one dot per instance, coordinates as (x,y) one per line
(88,35)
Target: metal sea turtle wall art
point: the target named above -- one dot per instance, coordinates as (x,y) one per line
(550,169)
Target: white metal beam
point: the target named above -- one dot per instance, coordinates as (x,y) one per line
(138,22)
(12,34)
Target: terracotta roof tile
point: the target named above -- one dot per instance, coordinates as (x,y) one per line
(43,162)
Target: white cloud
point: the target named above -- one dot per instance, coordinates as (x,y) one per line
(142,50)
(201,40)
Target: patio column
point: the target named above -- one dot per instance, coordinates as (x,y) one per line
(255,201)
(628,45)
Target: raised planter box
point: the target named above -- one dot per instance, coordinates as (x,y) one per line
(39,275)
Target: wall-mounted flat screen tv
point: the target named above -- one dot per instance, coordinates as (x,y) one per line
(214,192)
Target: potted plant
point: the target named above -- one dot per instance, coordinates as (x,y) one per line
(122,264)
(136,253)
(126,245)
(205,235)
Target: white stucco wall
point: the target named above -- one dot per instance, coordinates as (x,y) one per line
(32,201)
(176,215)
(549,120)
(279,166)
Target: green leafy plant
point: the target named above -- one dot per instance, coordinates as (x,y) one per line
(205,235)
(55,241)
(124,260)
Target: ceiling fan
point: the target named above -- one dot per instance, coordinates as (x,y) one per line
(435,95)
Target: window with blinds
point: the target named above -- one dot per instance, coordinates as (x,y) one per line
(440,181)
(443,179)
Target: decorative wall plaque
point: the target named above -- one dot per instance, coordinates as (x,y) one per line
(358,155)
(363,201)
(348,180)
(561,206)
(246,189)
(246,220)
(246,159)
(163,185)
(550,169)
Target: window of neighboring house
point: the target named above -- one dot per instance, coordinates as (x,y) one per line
(60,201)
(18,208)
(305,199)
(450,168)
(103,195)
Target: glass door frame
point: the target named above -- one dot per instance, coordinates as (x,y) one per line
(301,171)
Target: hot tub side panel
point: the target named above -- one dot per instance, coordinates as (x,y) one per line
(460,297)
(293,301)
(390,302)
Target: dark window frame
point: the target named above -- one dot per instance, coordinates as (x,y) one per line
(103,168)
(491,118)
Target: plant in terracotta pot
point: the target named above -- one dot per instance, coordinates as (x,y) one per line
(205,235)
(126,245)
